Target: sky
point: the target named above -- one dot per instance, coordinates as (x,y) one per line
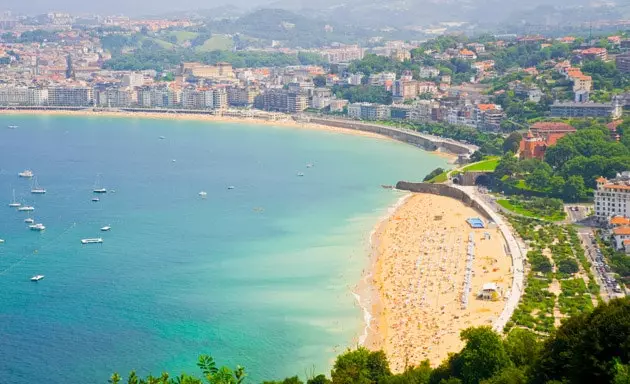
(130,7)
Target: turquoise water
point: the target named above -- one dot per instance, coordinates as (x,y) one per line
(259,275)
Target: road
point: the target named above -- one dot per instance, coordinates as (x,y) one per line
(578,215)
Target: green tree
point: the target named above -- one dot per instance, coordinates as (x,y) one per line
(482,356)
(568,266)
(507,166)
(522,345)
(433,173)
(574,189)
(412,375)
(509,375)
(360,367)
(512,143)
(539,179)
(319,379)
(288,380)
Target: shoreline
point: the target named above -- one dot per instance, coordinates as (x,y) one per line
(286,122)
(416,276)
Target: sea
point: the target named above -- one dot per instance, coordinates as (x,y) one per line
(260,275)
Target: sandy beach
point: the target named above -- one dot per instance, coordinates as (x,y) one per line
(418,279)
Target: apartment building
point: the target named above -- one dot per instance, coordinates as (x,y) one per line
(612,197)
(568,109)
(368,111)
(70,96)
(623,62)
(14,96)
(220,98)
(321,98)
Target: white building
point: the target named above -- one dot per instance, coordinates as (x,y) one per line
(612,197)
(321,98)
(70,96)
(14,96)
(133,79)
(37,96)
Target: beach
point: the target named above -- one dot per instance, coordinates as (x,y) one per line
(420,265)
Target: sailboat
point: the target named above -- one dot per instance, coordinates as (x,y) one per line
(36,189)
(14,203)
(97,187)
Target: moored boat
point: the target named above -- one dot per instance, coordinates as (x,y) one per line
(92,241)
(26,174)
(36,189)
(106,228)
(26,208)
(37,227)
(14,203)
(37,277)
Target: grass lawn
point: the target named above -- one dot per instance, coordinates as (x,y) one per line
(439,178)
(557,216)
(183,35)
(216,43)
(488,165)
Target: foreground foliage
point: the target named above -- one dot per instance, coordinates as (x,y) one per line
(590,347)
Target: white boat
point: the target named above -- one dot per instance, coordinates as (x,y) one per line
(106,228)
(162,137)
(37,227)
(12,126)
(96,199)
(1,241)
(27,174)
(300,174)
(36,189)
(26,208)
(97,187)
(29,221)
(231,187)
(309,165)
(92,241)
(37,277)
(14,203)
(203,194)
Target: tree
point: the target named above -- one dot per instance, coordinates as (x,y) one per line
(319,81)
(360,367)
(509,375)
(433,173)
(539,179)
(482,356)
(522,345)
(512,143)
(574,189)
(319,379)
(412,375)
(114,379)
(507,166)
(568,266)
(587,347)
(288,380)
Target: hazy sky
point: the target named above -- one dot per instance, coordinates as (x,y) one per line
(135,7)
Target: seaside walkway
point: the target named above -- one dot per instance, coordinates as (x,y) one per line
(516,253)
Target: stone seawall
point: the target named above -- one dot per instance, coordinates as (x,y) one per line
(467,196)
(427,142)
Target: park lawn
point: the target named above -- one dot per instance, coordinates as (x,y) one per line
(442,177)
(183,36)
(216,43)
(558,216)
(488,165)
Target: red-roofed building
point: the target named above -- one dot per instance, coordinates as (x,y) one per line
(541,136)
(595,53)
(467,54)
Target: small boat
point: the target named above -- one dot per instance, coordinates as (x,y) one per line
(26,208)
(37,227)
(29,221)
(92,241)
(37,277)
(97,187)
(12,126)
(26,174)
(1,241)
(106,228)
(36,189)
(14,203)
(162,137)
(231,187)
(309,165)
(174,161)
(387,186)
(300,174)
(203,194)
(96,199)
